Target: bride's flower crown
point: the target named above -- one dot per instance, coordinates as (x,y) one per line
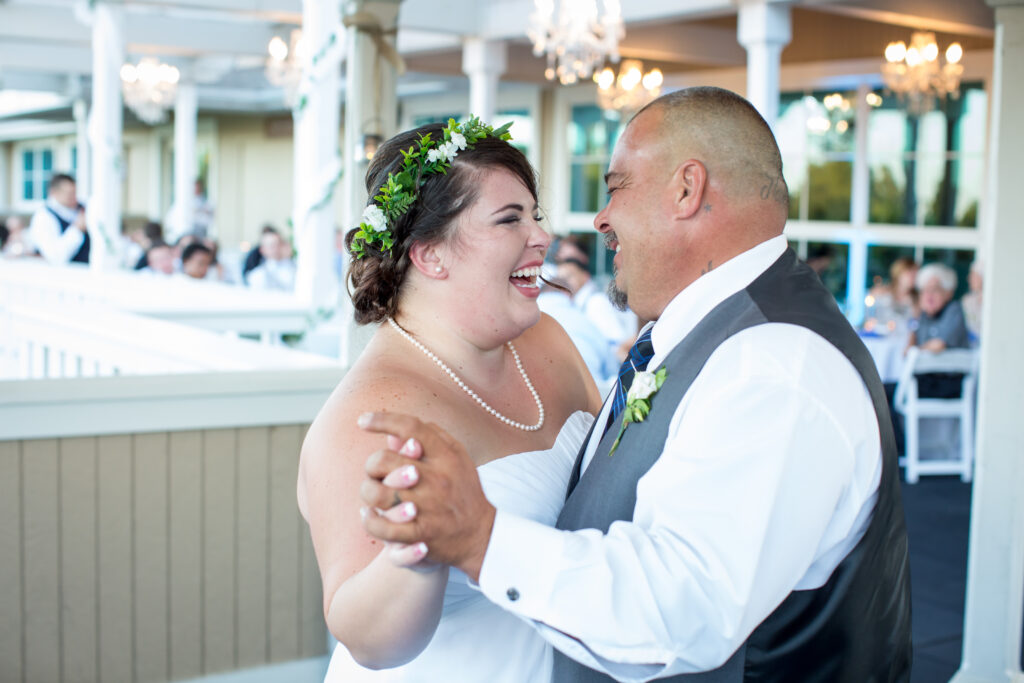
(403,188)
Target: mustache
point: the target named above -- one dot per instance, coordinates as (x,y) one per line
(609,237)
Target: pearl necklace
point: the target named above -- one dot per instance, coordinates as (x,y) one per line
(483,404)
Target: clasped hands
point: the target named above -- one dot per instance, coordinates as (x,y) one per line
(423,495)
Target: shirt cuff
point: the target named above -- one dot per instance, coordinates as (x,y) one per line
(510,575)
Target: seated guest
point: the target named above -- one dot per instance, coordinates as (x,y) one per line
(597,352)
(139,241)
(16,240)
(971,301)
(159,260)
(253,257)
(573,268)
(58,229)
(196,260)
(940,326)
(277,270)
(894,305)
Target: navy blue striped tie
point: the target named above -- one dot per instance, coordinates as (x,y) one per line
(639,356)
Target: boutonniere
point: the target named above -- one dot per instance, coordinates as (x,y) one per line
(638,400)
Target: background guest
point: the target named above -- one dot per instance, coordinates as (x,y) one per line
(971,301)
(940,326)
(159,260)
(598,353)
(139,241)
(16,241)
(573,269)
(253,258)
(277,269)
(58,228)
(196,260)
(894,305)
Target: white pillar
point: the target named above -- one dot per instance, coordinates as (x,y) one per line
(763,28)
(317,119)
(369,102)
(80,111)
(995,560)
(484,61)
(103,213)
(857,264)
(186,111)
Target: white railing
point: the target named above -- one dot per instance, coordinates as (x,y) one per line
(209,305)
(60,341)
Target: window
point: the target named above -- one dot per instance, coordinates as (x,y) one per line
(928,169)
(815,132)
(592,135)
(36,169)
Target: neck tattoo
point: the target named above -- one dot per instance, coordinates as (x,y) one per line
(462,385)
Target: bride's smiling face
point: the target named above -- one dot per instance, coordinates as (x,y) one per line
(495,259)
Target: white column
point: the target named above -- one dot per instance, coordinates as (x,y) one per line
(80,111)
(763,28)
(369,101)
(103,213)
(857,263)
(154,192)
(317,119)
(484,61)
(995,560)
(186,112)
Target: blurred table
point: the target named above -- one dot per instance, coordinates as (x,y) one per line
(887,352)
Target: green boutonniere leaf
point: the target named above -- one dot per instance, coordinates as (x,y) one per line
(638,400)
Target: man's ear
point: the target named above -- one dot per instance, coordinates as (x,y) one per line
(689,183)
(427,259)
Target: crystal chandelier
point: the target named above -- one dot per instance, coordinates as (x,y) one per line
(576,38)
(149,88)
(630,90)
(914,73)
(284,64)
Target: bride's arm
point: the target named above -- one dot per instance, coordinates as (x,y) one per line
(382,614)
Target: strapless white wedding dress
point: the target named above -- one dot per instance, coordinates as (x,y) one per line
(477,641)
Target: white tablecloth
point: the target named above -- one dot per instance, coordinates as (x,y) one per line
(887,353)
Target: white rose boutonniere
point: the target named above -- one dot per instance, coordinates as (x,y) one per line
(638,400)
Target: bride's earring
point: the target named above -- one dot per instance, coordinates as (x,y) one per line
(438,269)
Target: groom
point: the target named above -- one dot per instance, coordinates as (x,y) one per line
(750,526)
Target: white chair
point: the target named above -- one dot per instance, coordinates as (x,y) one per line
(961,409)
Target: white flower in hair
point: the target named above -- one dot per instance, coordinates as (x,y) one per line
(433,155)
(375,218)
(450,150)
(459,139)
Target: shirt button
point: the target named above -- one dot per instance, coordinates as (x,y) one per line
(512,594)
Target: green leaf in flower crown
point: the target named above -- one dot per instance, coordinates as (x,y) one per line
(503,132)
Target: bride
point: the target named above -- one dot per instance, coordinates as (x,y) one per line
(448,258)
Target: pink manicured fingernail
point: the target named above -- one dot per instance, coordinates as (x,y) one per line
(364,420)
(420,550)
(364,512)
(407,511)
(410,448)
(402,477)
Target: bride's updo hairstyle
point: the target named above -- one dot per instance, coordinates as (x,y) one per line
(375,280)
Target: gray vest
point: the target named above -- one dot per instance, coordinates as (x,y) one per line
(856,627)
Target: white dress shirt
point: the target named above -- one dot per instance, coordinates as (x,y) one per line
(45,233)
(767,480)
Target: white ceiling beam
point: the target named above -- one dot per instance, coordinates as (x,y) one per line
(47,57)
(460,17)
(21,80)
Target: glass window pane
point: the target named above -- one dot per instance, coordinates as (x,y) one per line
(970,125)
(828,191)
(587,187)
(593,131)
(794,170)
(931,134)
(28,190)
(969,173)
(887,129)
(958,259)
(47,160)
(28,160)
(888,192)
(521,130)
(934,190)
(74,159)
(828,260)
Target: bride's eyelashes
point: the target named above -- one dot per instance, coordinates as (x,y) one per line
(516,218)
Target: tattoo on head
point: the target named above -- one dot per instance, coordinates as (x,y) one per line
(774,189)
(705,271)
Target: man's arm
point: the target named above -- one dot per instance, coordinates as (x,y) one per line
(47,238)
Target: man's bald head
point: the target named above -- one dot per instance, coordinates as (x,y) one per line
(725,133)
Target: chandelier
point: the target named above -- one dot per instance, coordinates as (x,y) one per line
(576,38)
(284,64)
(149,88)
(630,90)
(914,73)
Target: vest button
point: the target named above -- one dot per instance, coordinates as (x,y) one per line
(512,594)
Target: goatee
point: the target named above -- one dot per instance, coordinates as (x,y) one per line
(617,296)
